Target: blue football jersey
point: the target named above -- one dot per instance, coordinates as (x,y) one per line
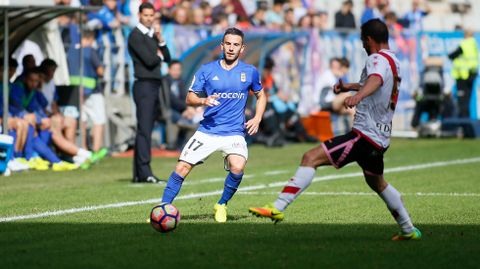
(232,87)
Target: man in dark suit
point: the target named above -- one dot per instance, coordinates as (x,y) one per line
(147,49)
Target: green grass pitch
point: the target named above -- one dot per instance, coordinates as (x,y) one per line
(337,223)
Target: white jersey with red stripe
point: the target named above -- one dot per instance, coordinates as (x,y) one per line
(373,116)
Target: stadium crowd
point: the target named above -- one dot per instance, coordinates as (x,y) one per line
(40,124)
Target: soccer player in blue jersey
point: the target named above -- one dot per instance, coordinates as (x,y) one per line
(225,83)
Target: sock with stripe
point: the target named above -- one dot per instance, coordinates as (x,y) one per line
(296,185)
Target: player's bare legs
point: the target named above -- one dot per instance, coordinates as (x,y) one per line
(183,169)
(70,128)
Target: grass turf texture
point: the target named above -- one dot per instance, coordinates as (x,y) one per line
(341,230)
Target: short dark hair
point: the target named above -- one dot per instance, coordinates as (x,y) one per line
(35,70)
(145,5)
(345,62)
(376,29)
(88,33)
(174,61)
(48,63)
(233,31)
(25,58)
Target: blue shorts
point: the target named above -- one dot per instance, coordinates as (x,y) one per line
(353,147)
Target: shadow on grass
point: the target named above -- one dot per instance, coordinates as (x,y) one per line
(233,245)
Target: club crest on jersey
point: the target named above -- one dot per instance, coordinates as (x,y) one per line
(243,77)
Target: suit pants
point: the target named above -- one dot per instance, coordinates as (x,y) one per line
(145,95)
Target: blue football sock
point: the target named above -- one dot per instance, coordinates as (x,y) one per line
(28,147)
(231,185)
(173,187)
(46,136)
(16,154)
(44,151)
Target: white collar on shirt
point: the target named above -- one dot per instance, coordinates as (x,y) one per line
(145,30)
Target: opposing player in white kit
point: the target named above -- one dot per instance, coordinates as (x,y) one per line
(375,101)
(225,83)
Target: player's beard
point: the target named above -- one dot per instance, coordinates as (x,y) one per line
(229,62)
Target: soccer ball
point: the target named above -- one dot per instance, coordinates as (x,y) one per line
(164,217)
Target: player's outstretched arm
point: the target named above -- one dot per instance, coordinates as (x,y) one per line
(194,100)
(372,84)
(253,124)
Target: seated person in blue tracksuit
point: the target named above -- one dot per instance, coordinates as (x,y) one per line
(27,102)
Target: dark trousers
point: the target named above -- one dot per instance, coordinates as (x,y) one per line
(464,93)
(145,95)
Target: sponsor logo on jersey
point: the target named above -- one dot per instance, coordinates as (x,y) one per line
(230,95)
(243,77)
(215,78)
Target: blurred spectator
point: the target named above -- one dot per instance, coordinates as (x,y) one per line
(48,68)
(299,10)
(323,97)
(17,127)
(198,20)
(258,18)
(286,112)
(225,7)
(370,12)
(68,125)
(161,4)
(26,92)
(397,42)
(289,18)
(180,16)
(94,103)
(28,47)
(383,9)
(184,118)
(270,132)
(274,16)
(328,100)
(344,17)
(320,21)
(305,22)
(464,71)
(413,19)
(220,24)
(207,12)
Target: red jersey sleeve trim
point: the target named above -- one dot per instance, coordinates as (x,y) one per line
(377,75)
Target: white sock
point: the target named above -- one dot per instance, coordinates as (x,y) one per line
(84,153)
(296,185)
(394,202)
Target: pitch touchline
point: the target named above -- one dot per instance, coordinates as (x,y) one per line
(247,188)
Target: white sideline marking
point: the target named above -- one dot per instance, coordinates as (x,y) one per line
(345,193)
(243,189)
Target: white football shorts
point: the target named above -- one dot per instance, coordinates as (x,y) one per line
(201,145)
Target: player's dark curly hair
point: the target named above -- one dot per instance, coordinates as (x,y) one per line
(375,29)
(233,31)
